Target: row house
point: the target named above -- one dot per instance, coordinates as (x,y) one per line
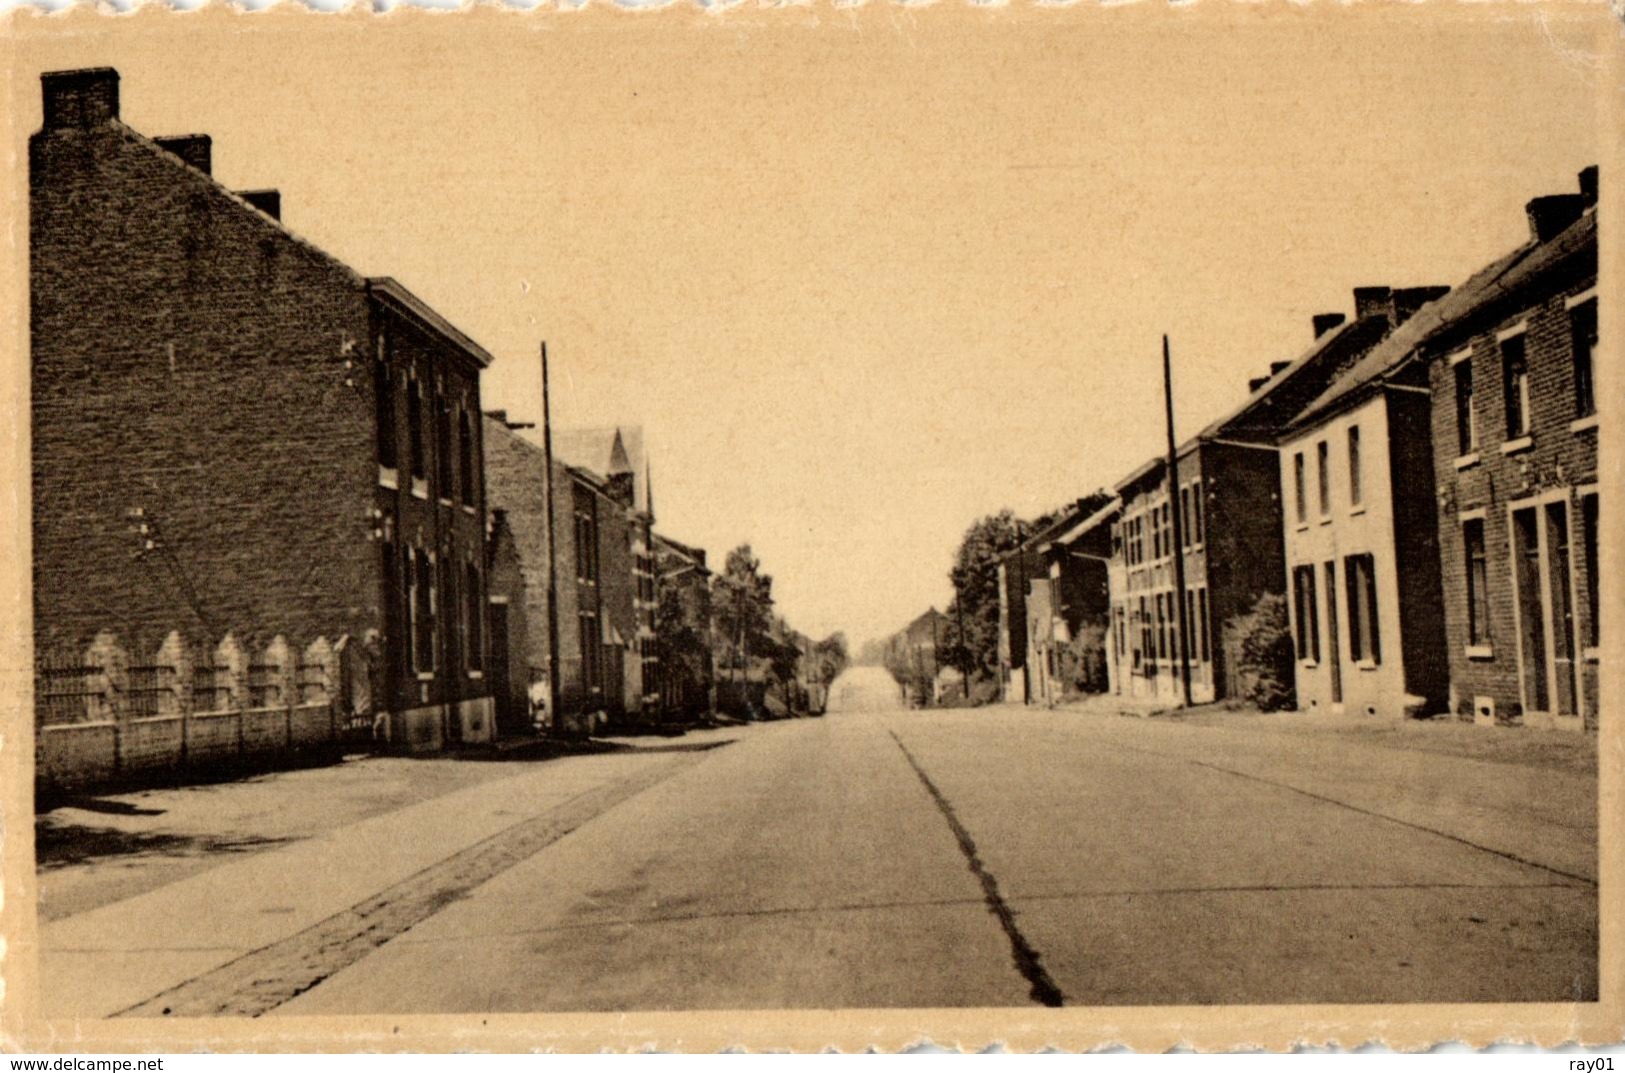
(1226,488)
(1025,634)
(1067,604)
(234,433)
(617,453)
(593,577)
(1442,550)
(683,590)
(1515,424)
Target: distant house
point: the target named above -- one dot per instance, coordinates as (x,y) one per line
(1027,634)
(1227,491)
(236,435)
(1080,562)
(912,656)
(617,454)
(593,574)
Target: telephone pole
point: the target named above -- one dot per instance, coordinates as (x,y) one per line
(552,553)
(1179,528)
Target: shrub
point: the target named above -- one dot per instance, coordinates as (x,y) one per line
(1260,642)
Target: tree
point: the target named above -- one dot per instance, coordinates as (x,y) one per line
(741,607)
(830,658)
(683,633)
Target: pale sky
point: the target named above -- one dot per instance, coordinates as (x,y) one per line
(864,276)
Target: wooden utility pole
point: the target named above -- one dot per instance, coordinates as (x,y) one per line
(552,553)
(1179,528)
(1026,642)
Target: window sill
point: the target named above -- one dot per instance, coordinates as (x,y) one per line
(1308,664)
(388,478)
(1583,424)
(476,675)
(1367,664)
(1358,508)
(425,676)
(1325,519)
(1522,443)
(1302,527)
(1467,461)
(444,502)
(1479,652)
(1593,655)
(420,488)
(468,509)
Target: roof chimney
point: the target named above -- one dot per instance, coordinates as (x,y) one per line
(1588,184)
(1277,366)
(1325,322)
(1549,215)
(267,201)
(1256,382)
(80,98)
(195,149)
(1373,302)
(1407,300)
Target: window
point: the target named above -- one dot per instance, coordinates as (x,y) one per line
(1593,625)
(1323,476)
(1162,626)
(421,607)
(1144,652)
(1201,607)
(442,449)
(414,428)
(1185,516)
(1355,491)
(383,389)
(474,616)
(1515,382)
(458,628)
(1359,571)
(1308,614)
(1192,629)
(1466,417)
(465,454)
(1300,498)
(1196,513)
(1478,589)
(1583,325)
(591,651)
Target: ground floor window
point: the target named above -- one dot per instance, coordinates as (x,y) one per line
(1593,620)
(1478,591)
(1360,572)
(1308,613)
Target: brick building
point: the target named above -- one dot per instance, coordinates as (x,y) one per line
(617,453)
(1065,592)
(1228,495)
(593,572)
(234,433)
(1514,394)
(1018,571)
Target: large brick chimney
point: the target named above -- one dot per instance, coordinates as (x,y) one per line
(1588,184)
(1549,215)
(80,98)
(195,149)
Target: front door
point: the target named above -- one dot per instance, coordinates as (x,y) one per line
(1334,643)
(1541,560)
(1532,619)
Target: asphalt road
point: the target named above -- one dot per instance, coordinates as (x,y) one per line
(1004,857)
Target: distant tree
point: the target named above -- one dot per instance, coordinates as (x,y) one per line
(683,634)
(830,658)
(742,609)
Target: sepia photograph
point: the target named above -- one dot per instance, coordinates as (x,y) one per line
(581,528)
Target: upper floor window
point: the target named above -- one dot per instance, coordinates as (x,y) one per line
(1466,415)
(1196,512)
(1300,495)
(414,428)
(1323,476)
(1515,382)
(1593,621)
(442,449)
(465,453)
(1185,536)
(1583,325)
(474,621)
(383,390)
(1355,491)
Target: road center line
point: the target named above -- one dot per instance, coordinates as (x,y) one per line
(1044,989)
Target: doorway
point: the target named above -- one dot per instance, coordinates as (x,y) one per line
(1543,576)
(1334,643)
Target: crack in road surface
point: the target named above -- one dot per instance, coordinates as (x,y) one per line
(1044,990)
(263,979)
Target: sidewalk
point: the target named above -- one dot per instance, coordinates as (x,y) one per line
(391,819)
